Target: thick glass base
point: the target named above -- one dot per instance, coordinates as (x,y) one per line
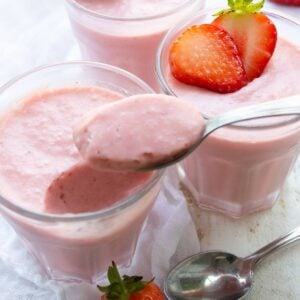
(231,209)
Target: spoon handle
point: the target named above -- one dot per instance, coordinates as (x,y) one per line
(285,240)
(285,106)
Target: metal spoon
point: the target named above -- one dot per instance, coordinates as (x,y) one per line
(219,275)
(285,106)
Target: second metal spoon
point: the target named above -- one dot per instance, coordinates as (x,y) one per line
(219,275)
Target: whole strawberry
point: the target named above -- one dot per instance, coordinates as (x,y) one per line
(128,287)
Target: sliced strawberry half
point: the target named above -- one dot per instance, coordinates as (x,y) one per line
(205,55)
(255,36)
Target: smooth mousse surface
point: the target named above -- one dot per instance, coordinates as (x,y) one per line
(279,79)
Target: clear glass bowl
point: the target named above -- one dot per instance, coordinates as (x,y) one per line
(241,169)
(128,43)
(79,247)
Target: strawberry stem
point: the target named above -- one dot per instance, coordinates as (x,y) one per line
(242,7)
(121,288)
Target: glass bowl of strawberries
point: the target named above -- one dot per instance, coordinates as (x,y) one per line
(223,59)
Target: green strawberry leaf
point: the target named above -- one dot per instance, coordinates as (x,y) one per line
(121,288)
(242,7)
(103,289)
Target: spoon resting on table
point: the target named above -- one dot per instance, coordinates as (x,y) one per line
(219,275)
(146,132)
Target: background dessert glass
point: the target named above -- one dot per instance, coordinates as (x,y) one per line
(128,43)
(79,246)
(240,169)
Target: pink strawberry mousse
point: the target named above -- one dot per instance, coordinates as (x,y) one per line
(131,8)
(139,132)
(239,170)
(38,154)
(126,33)
(41,170)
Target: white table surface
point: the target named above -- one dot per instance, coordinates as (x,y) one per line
(25,27)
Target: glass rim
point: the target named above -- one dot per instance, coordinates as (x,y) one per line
(165,86)
(123,203)
(91,13)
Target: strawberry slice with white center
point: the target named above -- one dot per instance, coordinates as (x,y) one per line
(206,56)
(254,34)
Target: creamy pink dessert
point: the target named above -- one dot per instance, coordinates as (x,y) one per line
(278,80)
(126,33)
(83,189)
(139,132)
(241,169)
(41,170)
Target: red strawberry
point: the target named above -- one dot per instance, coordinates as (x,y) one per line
(206,56)
(289,2)
(129,287)
(254,34)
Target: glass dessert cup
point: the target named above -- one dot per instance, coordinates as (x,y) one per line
(239,169)
(128,43)
(79,247)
